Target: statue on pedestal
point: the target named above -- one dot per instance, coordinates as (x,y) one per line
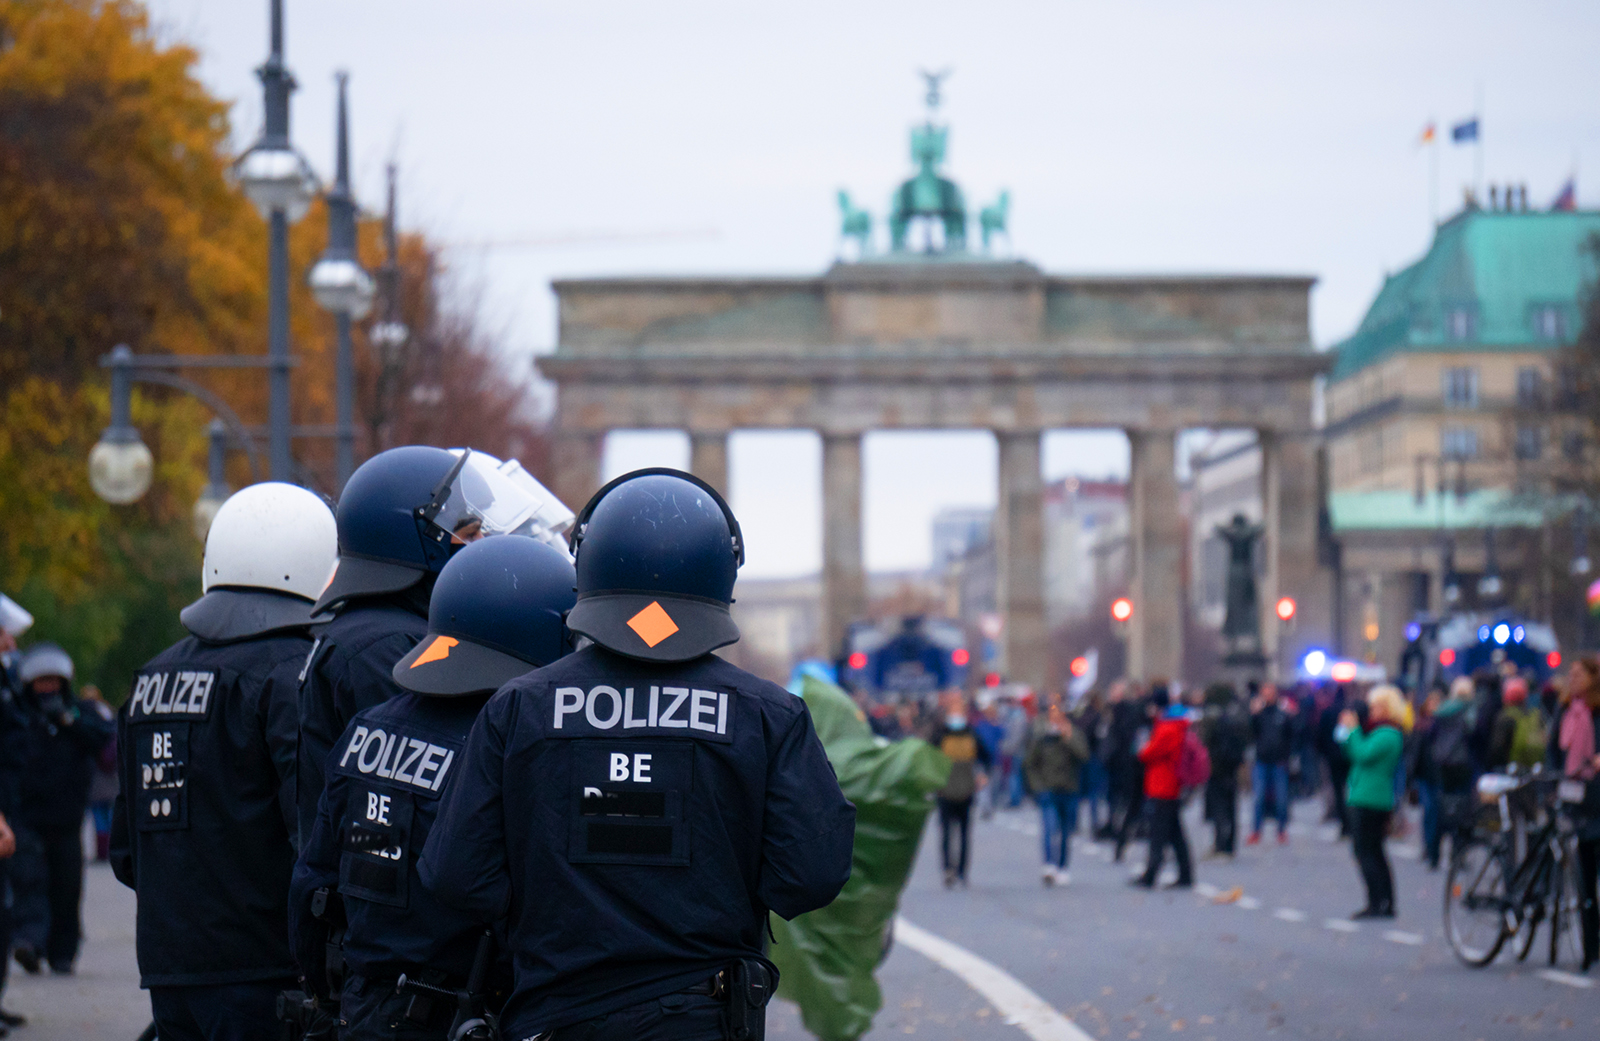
(1241,626)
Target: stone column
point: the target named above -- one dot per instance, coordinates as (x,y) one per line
(708,458)
(1289,490)
(575,466)
(1155,637)
(844,585)
(1019,539)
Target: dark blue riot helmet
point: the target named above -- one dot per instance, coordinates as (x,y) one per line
(657,553)
(405,512)
(499,609)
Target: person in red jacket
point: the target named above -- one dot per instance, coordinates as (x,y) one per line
(1162,792)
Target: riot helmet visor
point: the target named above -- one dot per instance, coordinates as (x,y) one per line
(475,500)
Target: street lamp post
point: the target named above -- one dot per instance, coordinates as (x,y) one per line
(120,463)
(279,182)
(342,287)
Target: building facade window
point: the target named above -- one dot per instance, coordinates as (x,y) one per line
(1530,387)
(1458,443)
(1530,442)
(1461,324)
(1460,387)
(1549,322)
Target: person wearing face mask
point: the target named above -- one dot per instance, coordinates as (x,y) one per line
(1057,752)
(969,764)
(63,742)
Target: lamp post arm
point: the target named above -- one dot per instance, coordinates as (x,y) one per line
(209,398)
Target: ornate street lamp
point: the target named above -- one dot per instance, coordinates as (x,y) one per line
(216,490)
(342,287)
(390,335)
(120,463)
(280,183)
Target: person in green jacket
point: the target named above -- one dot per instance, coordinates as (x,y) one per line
(1052,765)
(1374,750)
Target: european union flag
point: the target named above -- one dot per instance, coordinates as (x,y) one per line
(1461,133)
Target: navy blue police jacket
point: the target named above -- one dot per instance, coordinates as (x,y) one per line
(386,776)
(349,669)
(202,827)
(634,823)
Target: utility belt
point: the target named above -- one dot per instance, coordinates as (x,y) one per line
(744,987)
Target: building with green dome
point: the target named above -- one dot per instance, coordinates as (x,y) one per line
(1448,432)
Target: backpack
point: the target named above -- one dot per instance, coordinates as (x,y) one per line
(1450,754)
(1530,739)
(1194,762)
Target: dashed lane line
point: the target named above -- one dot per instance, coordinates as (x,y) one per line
(1339,925)
(1017,1004)
(1401,936)
(1289,914)
(1247,903)
(1571,979)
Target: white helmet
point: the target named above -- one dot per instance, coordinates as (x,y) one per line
(14,618)
(272,536)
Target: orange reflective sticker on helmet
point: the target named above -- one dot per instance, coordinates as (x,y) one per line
(438,650)
(653,624)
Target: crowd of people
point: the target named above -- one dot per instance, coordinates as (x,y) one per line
(1124,762)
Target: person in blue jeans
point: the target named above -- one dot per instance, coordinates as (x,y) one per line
(1272,726)
(1054,762)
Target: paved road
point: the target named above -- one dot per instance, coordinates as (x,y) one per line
(1120,963)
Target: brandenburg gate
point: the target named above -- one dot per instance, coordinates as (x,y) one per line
(944,338)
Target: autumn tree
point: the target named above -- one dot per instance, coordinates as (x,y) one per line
(119,223)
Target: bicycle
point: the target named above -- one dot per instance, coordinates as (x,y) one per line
(1512,882)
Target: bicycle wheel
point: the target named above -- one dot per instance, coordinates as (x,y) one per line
(1475,903)
(1566,929)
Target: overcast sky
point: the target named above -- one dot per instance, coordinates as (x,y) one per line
(1134,137)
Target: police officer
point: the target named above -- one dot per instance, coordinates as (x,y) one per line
(498,610)
(402,515)
(638,807)
(62,740)
(206,752)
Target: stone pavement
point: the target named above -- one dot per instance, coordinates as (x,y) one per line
(1262,951)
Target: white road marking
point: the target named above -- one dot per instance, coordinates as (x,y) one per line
(1016,1003)
(1571,979)
(1339,925)
(1206,889)
(1247,903)
(1409,939)
(1289,914)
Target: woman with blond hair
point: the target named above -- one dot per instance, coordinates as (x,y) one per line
(1578,740)
(1374,748)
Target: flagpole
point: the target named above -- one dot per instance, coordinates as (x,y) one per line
(1433,164)
(1477,143)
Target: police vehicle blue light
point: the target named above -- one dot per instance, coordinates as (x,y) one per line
(1502,633)
(1314,662)
(1483,634)
(1517,634)
(1413,632)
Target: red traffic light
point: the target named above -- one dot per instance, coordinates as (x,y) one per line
(959,657)
(1285,609)
(992,680)
(858,660)
(1079,666)
(1553,659)
(1447,657)
(1121,609)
